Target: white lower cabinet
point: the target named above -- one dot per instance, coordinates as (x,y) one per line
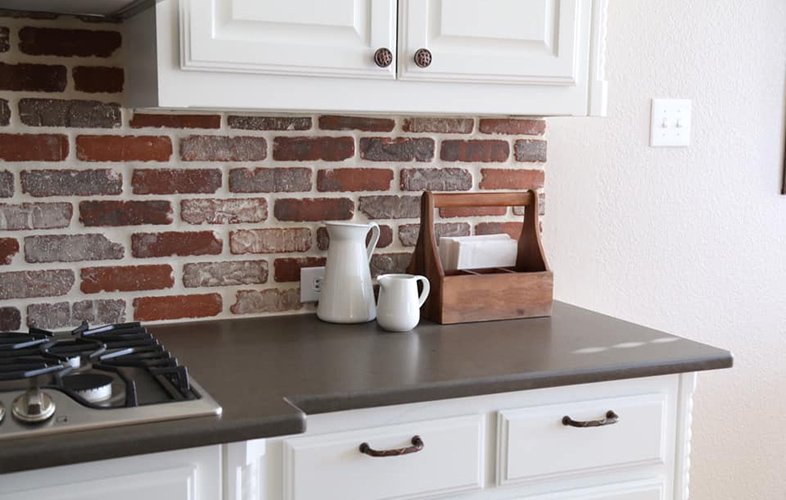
(193,474)
(620,440)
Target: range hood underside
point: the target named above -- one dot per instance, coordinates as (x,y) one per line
(109,9)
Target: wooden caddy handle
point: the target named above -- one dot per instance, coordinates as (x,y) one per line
(513,199)
(530,255)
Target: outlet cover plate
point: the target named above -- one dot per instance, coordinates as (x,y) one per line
(310,277)
(670,123)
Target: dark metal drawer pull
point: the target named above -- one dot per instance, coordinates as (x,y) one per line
(417,445)
(611,418)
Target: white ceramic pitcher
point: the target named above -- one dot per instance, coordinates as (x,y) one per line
(399,303)
(347,295)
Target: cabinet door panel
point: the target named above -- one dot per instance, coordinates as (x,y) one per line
(192,474)
(168,484)
(294,37)
(502,41)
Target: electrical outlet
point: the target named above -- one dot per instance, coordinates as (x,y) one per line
(311,283)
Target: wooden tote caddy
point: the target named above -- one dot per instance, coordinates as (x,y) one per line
(522,291)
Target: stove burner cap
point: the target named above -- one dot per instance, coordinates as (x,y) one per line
(34,406)
(93,387)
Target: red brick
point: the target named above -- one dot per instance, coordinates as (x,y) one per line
(472,211)
(269,180)
(276,240)
(21,216)
(512,126)
(100,311)
(391,149)
(64,315)
(68,113)
(141,120)
(5,113)
(313,209)
(71,248)
(511,228)
(333,122)
(222,148)
(6,184)
(354,179)
(98,79)
(385,237)
(174,181)
(33,77)
(49,316)
(5,44)
(390,207)
(288,270)
(243,272)
(10,319)
(386,263)
(126,278)
(229,211)
(123,148)
(33,147)
(177,307)
(266,301)
(175,243)
(27,284)
(475,150)
(439,125)
(435,179)
(530,150)
(313,148)
(408,233)
(68,42)
(124,213)
(269,122)
(8,248)
(499,178)
(67,182)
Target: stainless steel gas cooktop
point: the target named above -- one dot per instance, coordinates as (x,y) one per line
(92,377)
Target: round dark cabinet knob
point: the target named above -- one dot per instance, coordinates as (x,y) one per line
(383,57)
(423,58)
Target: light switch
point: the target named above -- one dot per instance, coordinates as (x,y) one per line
(670,123)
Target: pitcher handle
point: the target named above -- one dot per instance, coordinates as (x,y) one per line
(374,239)
(426,290)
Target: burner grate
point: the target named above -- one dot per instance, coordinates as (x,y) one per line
(127,350)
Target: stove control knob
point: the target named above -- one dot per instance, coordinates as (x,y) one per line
(2,412)
(34,406)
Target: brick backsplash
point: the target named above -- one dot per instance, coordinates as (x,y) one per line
(110,214)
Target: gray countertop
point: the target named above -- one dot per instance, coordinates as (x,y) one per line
(268,374)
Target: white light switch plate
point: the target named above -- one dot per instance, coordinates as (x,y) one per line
(670,123)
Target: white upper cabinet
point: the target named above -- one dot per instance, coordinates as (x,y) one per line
(288,37)
(490,57)
(498,41)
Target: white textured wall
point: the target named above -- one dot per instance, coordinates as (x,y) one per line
(693,240)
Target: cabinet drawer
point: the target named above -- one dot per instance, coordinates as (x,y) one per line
(534,443)
(332,466)
(653,489)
